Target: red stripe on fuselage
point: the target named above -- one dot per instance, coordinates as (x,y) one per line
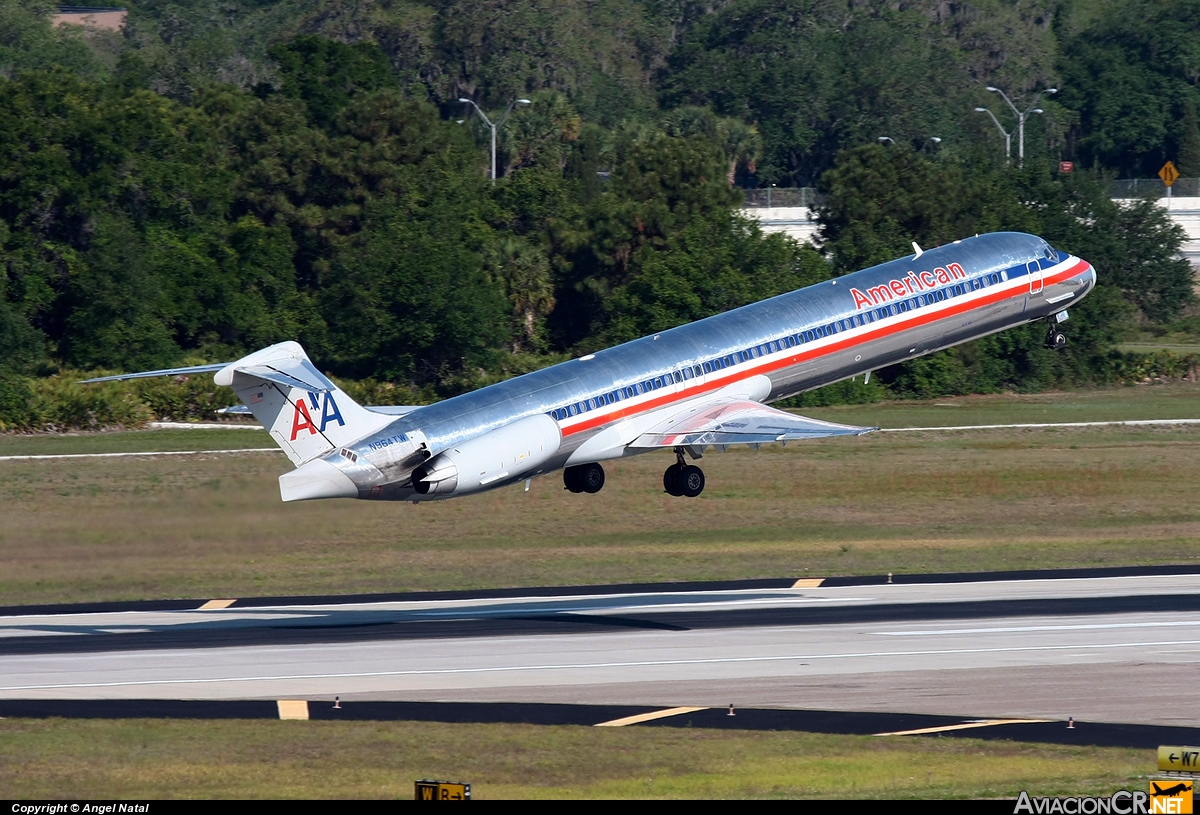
(952,310)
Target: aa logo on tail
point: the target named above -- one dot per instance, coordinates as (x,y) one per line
(302,419)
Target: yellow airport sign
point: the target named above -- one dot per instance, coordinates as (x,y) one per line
(442,791)
(1176,759)
(1168,174)
(1172,797)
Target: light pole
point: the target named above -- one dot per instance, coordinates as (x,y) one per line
(495,126)
(1005,133)
(1021,117)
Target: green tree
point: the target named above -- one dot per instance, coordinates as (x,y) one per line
(600,54)
(818,77)
(524,272)
(326,75)
(1124,73)
(542,134)
(411,297)
(1188,162)
(29,43)
(880,199)
(583,162)
(659,185)
(716,263)
(740,142)
(118,311)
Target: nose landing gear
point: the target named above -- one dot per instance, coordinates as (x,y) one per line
(584,478)
(683,479)
(1056,340)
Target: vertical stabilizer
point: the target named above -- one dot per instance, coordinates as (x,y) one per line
(304,412)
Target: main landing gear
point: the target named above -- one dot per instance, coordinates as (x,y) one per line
(682,478)
(584,478)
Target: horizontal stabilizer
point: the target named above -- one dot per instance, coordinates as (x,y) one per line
(306,414)
(286,371)
(383,410)
(739,422)
(195,369)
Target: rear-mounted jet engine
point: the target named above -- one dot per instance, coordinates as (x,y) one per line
(476,464)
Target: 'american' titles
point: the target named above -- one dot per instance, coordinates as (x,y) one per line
(910,284)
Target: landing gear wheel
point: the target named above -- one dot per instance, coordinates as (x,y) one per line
(1056,340)
(571,479)
(691,481)
(673,478)
(591,477)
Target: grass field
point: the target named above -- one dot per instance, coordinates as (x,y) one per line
(212,526)
(127,759)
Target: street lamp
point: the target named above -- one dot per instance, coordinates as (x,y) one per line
(1005,133)
(495,126)
(888,139)
(933,139)
(1021,117)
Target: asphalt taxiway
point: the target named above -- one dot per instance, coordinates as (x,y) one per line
(1106,647)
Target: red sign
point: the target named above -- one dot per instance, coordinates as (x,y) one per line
(1066,166)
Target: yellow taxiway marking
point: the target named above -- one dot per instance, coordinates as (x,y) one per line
(211,604)
(651,716)
(293,709)
(808,583)
(963,726)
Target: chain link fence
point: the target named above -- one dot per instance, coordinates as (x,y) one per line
(1125,188)
(783,197)
(1154,188)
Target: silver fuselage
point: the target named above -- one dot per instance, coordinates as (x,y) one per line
(775,348)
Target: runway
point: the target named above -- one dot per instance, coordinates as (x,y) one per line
(1102,648)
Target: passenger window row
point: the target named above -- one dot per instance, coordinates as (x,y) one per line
(938,295)
(775,346)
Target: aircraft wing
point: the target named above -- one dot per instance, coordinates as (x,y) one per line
(739,421)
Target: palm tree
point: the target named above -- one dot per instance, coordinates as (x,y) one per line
(742,145)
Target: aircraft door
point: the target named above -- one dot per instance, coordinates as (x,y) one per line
(1035,277)
(676,380)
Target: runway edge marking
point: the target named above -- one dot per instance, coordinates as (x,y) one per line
(1126,423)
(963,726)
(128,455)
(649,717)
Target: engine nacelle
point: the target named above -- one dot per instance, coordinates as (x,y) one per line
(477,463)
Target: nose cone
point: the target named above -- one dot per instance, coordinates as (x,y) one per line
(1089,280)
(316,479)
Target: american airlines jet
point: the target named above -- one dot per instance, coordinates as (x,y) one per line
(701,385)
